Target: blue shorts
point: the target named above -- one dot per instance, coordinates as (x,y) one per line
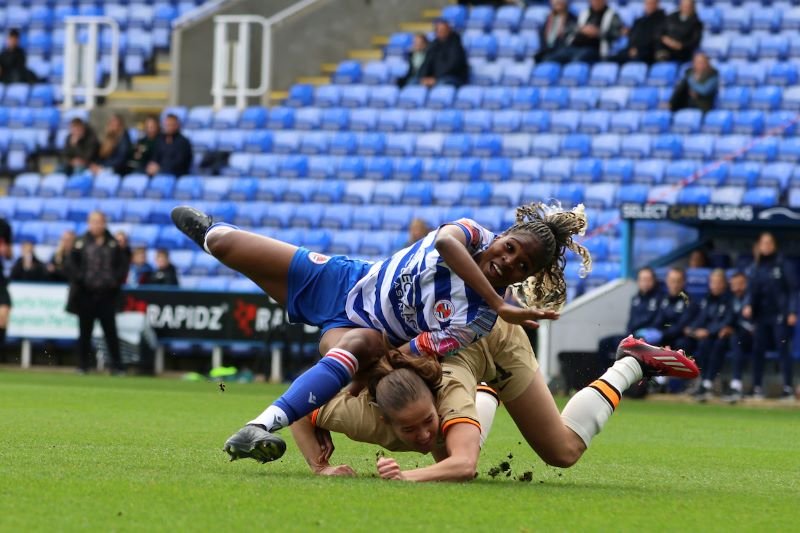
(318,288)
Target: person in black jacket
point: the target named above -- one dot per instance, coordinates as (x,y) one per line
(712,329)
(164,274)
(644,35)
(772,305)
(96,267)
(80,147)
(698,88)
(172,153)
(115,147)
(558,27)
(446,60)
(675,312)
(5,297)
(643,315)
(741,341)
(681,34)
(28,267)
(13,63)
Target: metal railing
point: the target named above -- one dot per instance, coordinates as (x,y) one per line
(81,59)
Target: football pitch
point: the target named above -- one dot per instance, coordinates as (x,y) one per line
(138,454)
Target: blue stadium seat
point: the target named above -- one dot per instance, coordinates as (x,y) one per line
(618,170)
(105,185)
(408,169)
(347,72)
(226,117)
(437,169)
(564,121)
(314,142)
(583,98)
(604,74)
(794,198)
(292,166)
(766,149)
(286,142)
(327,96)
(744,47)
(457,145)
(600,195)
(417,193)
(736,19)
(412,97)
(258,141)
(160,186)
(775,175)
(656,122)
(429,145)
(368,217)
(507,194)
(662,74)
(379,168)
(307,219)
(508,18)
(789,150)
(469,97)
(390,120)
(477,194)
(273,214)
(216,189)
(495,169)
(667,146)
(546,145)
(399,43)
(388,193)
(734,98)
(773,47)
(371,143)
(558,169)
(517,74)
(26,184)
(546,74)
(632,74)
(480,18)
(78,185)
(743,174)
(791,99)
(281,118)
(766,98)
(542,192)
(243,189)
(594,122)
(441,96)
(576,145)
(199,117)
(241,164)
(16,95)
(308,118)
(606,145)
(517,145)
(536,122)
(486,74)
(497,98)
(29,209)
(300,95)
(448,120)
(718,121)
(637,146)
(525,98)
(624,122)
(553,98)
(678,171)
(728,146)
(367,119)
(419,120)
(713,175)
(613,98)
(761,197)
(396,217)
(78,209)
(376,73)
(698,146)
(748,122)
(463,169)
(383,96)
(667,194)
(487,145)
(782,74)
(586,170)
(575,75)
(648,171)
(477,121)
(716,46)
(687,121)
(643,98)
(527,169)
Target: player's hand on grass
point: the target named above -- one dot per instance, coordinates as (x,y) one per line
(389,469)
(325,444)
(524,317)
(337,471)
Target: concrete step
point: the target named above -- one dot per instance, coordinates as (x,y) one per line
(366,54)
(379,40)
(276,97)
(328,68)
(430,14)
(163,68)
(416,27)
(150,83)
(314,80)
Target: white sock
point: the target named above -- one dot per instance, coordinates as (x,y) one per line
(218,228)
(736,384)
(486,404)
(273,418)
(588,411)
(707,384)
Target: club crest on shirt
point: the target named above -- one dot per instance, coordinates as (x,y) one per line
(318,259)
(443,310)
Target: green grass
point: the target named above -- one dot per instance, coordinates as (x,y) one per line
(103,454)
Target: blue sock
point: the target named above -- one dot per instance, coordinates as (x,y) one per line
(318,385)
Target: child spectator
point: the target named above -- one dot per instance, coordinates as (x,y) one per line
(165,273)
(140,270)
(28,267)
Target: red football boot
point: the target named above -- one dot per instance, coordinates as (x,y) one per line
(658,361)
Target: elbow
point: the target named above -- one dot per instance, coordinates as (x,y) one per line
(465,469)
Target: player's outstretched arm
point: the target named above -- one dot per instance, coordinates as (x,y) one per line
(316,446)
(463,443)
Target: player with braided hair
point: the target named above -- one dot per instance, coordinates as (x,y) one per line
(430,299)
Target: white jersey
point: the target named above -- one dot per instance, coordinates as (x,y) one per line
(415,296)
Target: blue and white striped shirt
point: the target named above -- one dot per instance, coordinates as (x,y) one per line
(415,296)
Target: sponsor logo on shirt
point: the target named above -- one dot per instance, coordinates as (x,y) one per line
(318,259)
(443,310)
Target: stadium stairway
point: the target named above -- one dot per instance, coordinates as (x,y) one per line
(145,94)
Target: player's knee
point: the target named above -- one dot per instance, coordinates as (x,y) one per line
(563,457)
(363,343)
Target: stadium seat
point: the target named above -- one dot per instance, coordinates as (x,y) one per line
(419,120)
(575,75)
(604,74)
(314,142)
(376,73)
(761,197)
(564,122)
(618,170)
(637,146)
(643,98)
(286,142)
(782,74)
(655,122)
(199,117)
(497,98)
(614,98)
(486,74)
(308,118)
(745,47)
(594,122)
(412,97)
(243,189)
(766,98)
(384,96)
(527,169)
(776,175)
(687,121)
(347,72)
(495,169)
(789,150)
(748,122)
(507,194)
(536,122)
(765,150)
(326,96)
(624,122)
(734,98)
(680,171)
(517,74)
(457,145)
(698,146)
(667,146)
(281,118)
(525,98)
(469,97)
(583,98)
(554,98)
(26,184)
(606,145)
(648,171)
(546,74)
(743,174)
(557,169)
(506,121)
(586,170)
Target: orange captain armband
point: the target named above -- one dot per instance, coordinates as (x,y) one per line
(313,417)
(460,420)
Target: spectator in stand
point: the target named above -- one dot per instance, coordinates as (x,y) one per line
(644,35)
(712,329)
(13,63)
(772,305)
(675,312)
(140,270)
(165,273)
(28,267)
(115,148)
(557,28)
(5,297)
(741,341)
(80,148)
(446,60)
(143,151)
(172,153)
(681,35)
(643,315)
(57,267)
(698,259)
(96,266)
(596,30)
(698,88)
(416,58)
(417,230)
